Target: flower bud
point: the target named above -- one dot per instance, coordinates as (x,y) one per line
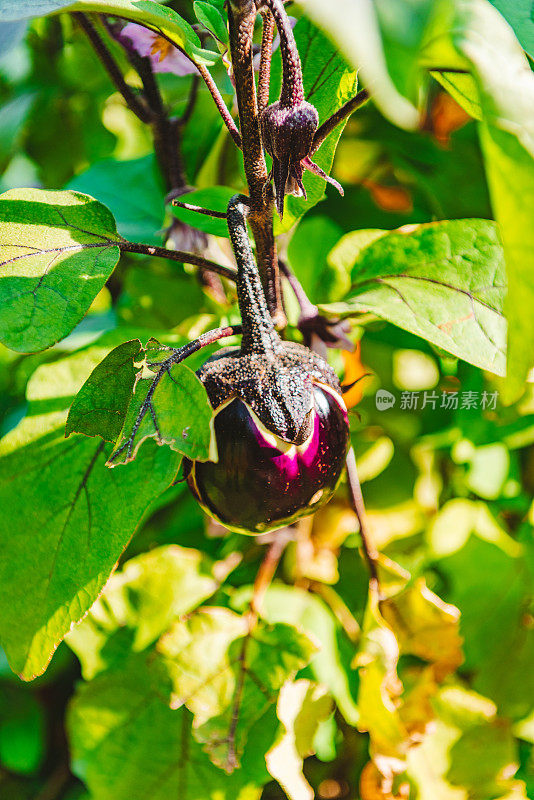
(287,134)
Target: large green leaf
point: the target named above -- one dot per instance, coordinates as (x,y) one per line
(128,742)
(152,15)
(328,83)
(442,281)
(69,516)
(57,250)
(140,603)
(132,192)
(500,91)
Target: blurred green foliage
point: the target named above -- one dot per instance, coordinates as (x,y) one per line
(429,694)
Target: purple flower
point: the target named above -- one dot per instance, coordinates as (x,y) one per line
(163,55)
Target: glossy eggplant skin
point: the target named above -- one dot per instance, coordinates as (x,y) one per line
(261,483)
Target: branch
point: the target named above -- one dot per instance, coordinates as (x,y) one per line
(241,18)
(264,76)
(134,103)
(199,209)
(345,111)
(178,255)
(356,498)
(219,102)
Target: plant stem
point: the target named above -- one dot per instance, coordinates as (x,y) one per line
(178,255)
(221,105)
(267,570)
(356,498)
(332,122)
(264,76)
(292,87)
(241,17)
(134,103)
(199,210)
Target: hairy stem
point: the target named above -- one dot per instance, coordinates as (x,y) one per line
(292,87)
(264,76)
(267,570)
(259,334)
(241,17)
(178,255)
(134,103)
(332,122)
(199,209)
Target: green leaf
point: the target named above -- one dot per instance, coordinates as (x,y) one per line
(260,663)
(170,405)
(133,193)
(128,742)
(518,13)
(228,675)
(354,27)
(22,731)
(498,641)
(140,603)
(328,83)
(215,198)
(210,17)
(503,85)
(331,664)
(57,250)
(152,15)
(99,408)
(69,519)
(442,281)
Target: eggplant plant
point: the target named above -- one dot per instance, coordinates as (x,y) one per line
(191,308)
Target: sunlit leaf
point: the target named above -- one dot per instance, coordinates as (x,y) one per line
(170,405)
(301,707)
(443,281)
(57,250)
(99,408)
(69,519)
(128,742)
(139,603)
(251,668)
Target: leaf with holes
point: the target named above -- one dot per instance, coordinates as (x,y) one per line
(170,405)
(57,250)
(128,742)
(443,281)
(69,518)
(164,21)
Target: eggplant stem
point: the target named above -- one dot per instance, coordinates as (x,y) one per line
(266,572)
(356,498)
